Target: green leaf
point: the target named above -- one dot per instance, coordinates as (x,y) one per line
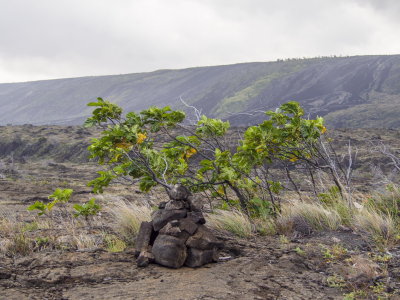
(102,181)
(62,195)
(146,183)
(87,209)
(37,205)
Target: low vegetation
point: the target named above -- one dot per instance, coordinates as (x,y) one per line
(128,217)
(235,222)
(282,179)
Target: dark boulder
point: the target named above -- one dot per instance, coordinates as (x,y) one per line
(203,239)
(144,259)
(174,205)
(197,258)
(177,234)
(188,225)
(169,251)
(162,204)
(196,217)
(173,228)
(143,238)
(162,217)
(195,203)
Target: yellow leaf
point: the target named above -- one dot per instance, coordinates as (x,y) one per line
(116,157)
(140,138)
(293,159)
(123,145)
(221,190)
(190,152)
(323,129)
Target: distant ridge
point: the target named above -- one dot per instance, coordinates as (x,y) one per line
(355,92)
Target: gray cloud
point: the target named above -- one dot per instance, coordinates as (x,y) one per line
(385,5)
(42,39)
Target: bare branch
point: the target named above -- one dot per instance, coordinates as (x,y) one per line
(197,112)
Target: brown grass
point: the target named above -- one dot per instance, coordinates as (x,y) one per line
(307,217)
(128,217)
(233,221)
(376,227)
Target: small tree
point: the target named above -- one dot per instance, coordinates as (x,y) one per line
(156,147)
(61,196)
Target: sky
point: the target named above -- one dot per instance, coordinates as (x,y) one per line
(46,39)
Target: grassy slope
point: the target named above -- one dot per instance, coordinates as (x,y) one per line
(349,91)
(240,100)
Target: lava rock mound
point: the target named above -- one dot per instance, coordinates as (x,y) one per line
(177,236)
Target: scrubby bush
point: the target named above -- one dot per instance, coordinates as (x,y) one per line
(156,147)
(62,197)
(90,208)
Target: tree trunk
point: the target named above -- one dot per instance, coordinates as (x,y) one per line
(242,199)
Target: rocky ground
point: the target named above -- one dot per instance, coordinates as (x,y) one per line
(261,267)
(256,269)
(324,265)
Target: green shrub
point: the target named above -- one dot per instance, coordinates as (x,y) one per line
(259,208)
(42,242)
(130,146)
(59,196)
(87,209)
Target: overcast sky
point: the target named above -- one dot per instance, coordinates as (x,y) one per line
(43,39)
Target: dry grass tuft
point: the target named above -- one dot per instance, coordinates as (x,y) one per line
(306,217)
(7,227)
(85,241)
(19,244)
(265,226)
(232,221)
(128,217)
(5,244)
(376,226)
(114,243)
